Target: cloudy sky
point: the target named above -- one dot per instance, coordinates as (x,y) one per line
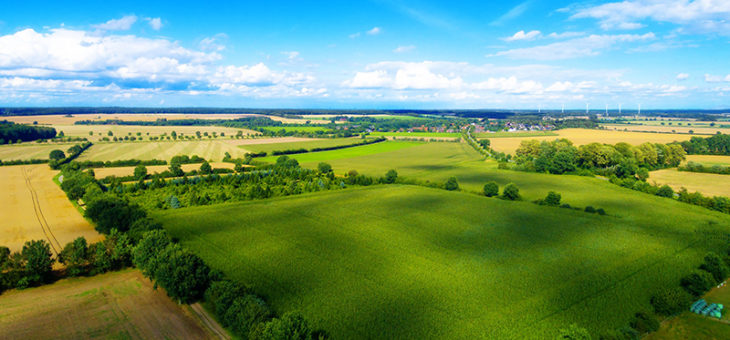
(367,54)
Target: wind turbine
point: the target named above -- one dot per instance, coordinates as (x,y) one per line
(639,109)
(619,109)
(586,108)
(563,109)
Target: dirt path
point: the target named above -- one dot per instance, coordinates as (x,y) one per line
(213,326)
(55,245)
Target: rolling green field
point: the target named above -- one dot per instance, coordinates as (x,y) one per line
(412,262)
(318,143)
(417,134)
(322,156)
(210,150)
(295,128)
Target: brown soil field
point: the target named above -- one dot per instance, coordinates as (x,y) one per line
(119,305)
(129,170)
(587,136)
(33,207)
(62,120)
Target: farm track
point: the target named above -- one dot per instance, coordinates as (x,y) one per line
(40,217)
(213,326)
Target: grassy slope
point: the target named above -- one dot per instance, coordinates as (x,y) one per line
(394,262)
(357,151)
(299,145)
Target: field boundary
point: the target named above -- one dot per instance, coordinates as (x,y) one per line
(39,215)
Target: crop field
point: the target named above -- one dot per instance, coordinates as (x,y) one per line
(210,150)
(118,305)
(447,264)
(356,151)
(586,136)
(152,169)
(417,134)
(697,130)
(709,160)
(295,128)
(301,144)
(63,120)
(26,151)
(706,183)
(101,131)
(33,207)
(507,134)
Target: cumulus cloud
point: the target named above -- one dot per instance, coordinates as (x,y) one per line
(711,78)
(121,24)
(698,16)
(374,31)
(682,76)
(404,49)
(521,35)
(574,48)
(214,43)
(155,23)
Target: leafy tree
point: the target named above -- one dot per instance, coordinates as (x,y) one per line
(75,255)
(176,169)
(511,192)
(109,212)
(220,296)
(324,168)
(574,333)
(642,174)
(238,167)
(4,256)
(141,226)
(291,326)
(665,191)
(644,323)
(552,199)
(670,301)
(714,265)
(174,202)
(183,274)
(56,155)
(451,184)
(140,172)
(491,189)
(698,282)
(245,313)
(144,255)
(205,168)
(38,261)
(590,209)
(391,176)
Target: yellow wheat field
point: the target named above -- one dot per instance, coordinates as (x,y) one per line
(707,184)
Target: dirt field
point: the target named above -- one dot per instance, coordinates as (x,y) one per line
(586,136)
(33,207)
(129,170)
(707,184)
(119,305)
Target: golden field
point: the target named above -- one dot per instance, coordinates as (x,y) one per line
(707,184)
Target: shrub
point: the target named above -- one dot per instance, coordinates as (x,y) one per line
(671,301)
(451,184)
(644,323)
(491,189)
(324,168)
(205,168)
(56,155)
(291,325)
(511,192)
(714,265)
(590,209)
(665,191)
(574,333)
(600,211)
(698,282)
(552,199)
(391,176)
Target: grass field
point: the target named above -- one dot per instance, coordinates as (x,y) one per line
(507,134)
(301,144)
(692,326)
(33,207)
(119,305)
(356,151)
(417,134)
(30,150)
(587,136)
(412,262)
(709,160)
(210,150)
(706,183)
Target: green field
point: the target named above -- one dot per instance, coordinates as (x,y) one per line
(507,134)
(417,134)
(689,325)
(318,143)
(347,153)
(295,128)
(210,150)
(411,262)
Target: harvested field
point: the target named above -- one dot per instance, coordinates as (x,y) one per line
(148,117)
(30,150)
(119,305)
(120,131)
(706,183)
(210,150)
(151,169)
(697,130)
(709,160)
(276,140)
(587,136)
(33,207)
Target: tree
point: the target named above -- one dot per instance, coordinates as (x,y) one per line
(391,176)
(324,168)
(205,168)
(670,301)
(109,212)
(144,255)
(245,313)
(75,255)
(176,169)
(491,189)
(183,274)
(642,174)
(511,192)
(220,296)
(574,333)
(665,191)
(698,282)
(38,261)
(56,155)
(714,265)
(644,323)
(451,184)
(552,199)
(291,326)
(4,256)
(140,172)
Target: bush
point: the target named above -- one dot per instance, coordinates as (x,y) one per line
(671,301)
(511,192)
(491,189)
(324,168)
(391,176)
(56,155)
(291,326)
(665,191)
(113,213)
(600,211)
(698,282)
(644,323)
(590,209)
(451,184)
(714,265)
(574,333)
(552,199)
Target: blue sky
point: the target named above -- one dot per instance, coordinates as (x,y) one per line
(367,54)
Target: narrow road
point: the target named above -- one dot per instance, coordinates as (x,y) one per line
(213,326)
(56,247)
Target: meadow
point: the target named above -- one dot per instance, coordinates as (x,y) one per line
(417,134)
(211,150)
(118,305)
(372,149)
(442,264)
(301,144)
(706,183)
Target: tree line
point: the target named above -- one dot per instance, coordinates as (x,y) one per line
(13,133)
(718,144)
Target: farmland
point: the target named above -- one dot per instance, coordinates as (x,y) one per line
(211,150)
(152,169)
(689,325)
(706,183)
(26,151)
(294,128)
(120,305)
(417,134)
(697,130)
(301,144)
(101,131)
(372,149)
(709,160)
(413,256)
(34,207)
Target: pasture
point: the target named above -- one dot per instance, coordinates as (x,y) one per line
(118,305)
(301,144)
(27,151)
(706,183)
(210,150)
(33,207)
(356,151)
(587,136)
(412,262)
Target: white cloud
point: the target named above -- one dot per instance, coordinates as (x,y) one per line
(682,76)
(155,23)
(711,78)
(565,35)
(354,35)
(214,43)
(521,35)
(513,13)
(509,85)
(374,79)
(698,16)
(574,48)
(374,31)
(121,24)
(404,49)
(291,55)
